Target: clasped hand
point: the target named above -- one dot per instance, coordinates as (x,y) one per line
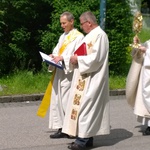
(136,41)
(73,59)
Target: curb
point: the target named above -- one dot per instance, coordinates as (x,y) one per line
(117,92)
(38,97)
(21,98)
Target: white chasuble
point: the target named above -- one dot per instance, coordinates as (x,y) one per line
(146,78)
(62,80)
(133,77)
(142,94)
(87,111)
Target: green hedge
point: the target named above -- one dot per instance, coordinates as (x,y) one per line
(29,27)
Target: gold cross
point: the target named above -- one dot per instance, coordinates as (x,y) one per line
(90,45)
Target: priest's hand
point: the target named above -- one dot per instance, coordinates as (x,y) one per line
(142,49)
(56,59)
(51,55)
(74,60)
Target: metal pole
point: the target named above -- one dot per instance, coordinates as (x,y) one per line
(102,13)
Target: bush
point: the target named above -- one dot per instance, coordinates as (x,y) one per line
(29,27)
(119,29)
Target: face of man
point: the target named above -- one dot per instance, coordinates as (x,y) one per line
(85,25)
(65,24)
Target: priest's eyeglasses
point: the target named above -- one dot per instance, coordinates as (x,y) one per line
(83,23)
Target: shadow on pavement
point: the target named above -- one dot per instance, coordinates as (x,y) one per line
(115,136)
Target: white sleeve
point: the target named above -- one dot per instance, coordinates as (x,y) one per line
(147,55)
(95,60)
(69,52)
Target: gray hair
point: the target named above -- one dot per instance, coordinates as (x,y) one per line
(68,15)
(89,16)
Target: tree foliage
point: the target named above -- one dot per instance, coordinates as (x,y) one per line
(50,37)
(20,27)
(27,27)
(119,29)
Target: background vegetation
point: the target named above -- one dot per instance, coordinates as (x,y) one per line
(27,27)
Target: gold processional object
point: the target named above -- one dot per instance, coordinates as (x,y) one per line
(137,27)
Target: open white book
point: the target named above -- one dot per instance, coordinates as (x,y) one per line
(50,61)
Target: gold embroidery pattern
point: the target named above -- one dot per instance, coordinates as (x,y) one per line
(81,84)
(77,99)
(74,114)
(89,45)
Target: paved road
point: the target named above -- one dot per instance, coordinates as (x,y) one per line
(21,129)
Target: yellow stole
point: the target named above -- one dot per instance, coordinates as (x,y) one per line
(42,110)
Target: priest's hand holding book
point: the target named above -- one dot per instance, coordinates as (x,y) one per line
(52,60)
(56,59)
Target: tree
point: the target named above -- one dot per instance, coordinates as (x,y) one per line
(119,29)
(27,27)
(23,22)
(50,36)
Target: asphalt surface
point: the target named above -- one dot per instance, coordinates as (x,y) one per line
(21,129)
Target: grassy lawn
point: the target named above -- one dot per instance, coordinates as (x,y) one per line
(28,83)
(144,35)
(24,83)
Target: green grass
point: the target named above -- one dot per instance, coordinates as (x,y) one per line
(25,82)
(144,35)
(117,82)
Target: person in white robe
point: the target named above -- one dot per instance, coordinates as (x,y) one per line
(141,100)
(58,89)
(87,112)
(146,87)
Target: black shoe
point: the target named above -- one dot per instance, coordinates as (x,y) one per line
(75,146)
(59,134)
(89,144)
(147,131)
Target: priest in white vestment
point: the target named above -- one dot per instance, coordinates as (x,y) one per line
(141,103)
(59,87)
(87,112)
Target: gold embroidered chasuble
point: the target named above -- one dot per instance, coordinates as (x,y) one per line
(79,91)
(42,110)
(87,111)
